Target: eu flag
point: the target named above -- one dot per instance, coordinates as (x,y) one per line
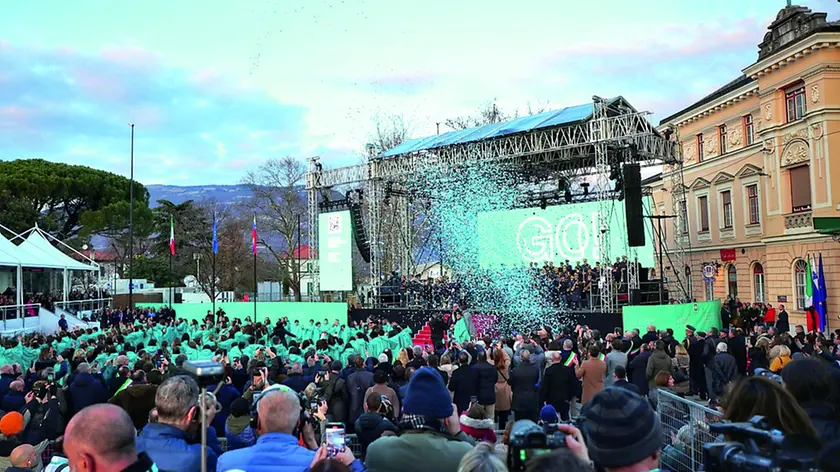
(215,237)
(822,308)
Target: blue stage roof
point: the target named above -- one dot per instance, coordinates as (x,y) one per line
(522,124)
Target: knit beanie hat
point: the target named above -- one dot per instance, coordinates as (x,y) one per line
(11,423)
(427,395)
(620,427)
(548,414)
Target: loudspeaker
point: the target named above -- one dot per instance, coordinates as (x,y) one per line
(633,205)
(635,297)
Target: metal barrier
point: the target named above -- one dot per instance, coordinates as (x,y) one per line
(15,315)
(74,307)
(685,425)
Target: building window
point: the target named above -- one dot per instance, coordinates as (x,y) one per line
(710,290)
(703,202)
(800,189)
(684,217)
(732,280)
(749,129)
(722,138)
(752,202)
(800,279)
(795,102)
(726,198)
(758,282)
(699,147)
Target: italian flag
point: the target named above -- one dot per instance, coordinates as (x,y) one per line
(171,235)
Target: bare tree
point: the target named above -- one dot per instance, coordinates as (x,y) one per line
(488,113)
(389,131)
(281,210)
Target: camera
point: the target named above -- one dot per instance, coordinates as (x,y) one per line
(754,445)
(528,440)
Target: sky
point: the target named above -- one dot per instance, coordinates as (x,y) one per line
(215,88)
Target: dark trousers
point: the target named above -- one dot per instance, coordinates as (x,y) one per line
(710,385)
(562,408)
(533,415)
(502,418)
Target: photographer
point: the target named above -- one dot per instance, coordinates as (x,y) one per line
(374,422)
(335,392)
(174,442)
(278,418)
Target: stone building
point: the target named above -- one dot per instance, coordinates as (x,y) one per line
(758,155)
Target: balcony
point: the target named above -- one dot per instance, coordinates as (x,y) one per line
(796,223)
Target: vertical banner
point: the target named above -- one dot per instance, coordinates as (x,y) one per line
(335,266)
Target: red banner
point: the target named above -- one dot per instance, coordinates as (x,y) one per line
(727,255)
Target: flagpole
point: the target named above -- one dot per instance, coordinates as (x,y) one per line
(255,285)
(171,287)
(213,284)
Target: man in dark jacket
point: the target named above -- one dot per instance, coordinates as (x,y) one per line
(86,389)
(651,335)
(335,393)
(557,386)
(373,423)
(782,323)
(737,347)
(523,382)
(638,370)
(297,381)
(357,384)
(15,399)
(696,371)
(724,369)
(7,376)
(621,381)
(463,383)
(486,383)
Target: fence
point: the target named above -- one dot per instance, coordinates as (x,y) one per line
(84,307)
(685,426)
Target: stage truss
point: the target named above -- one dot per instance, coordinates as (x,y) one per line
(582,148)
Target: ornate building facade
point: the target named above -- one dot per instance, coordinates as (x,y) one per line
(758,155)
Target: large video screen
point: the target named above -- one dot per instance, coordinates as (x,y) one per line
(557,234)
(335,246)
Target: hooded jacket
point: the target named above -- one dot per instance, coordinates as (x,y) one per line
(239,433)
(369,428)
(170,449)
(481,430)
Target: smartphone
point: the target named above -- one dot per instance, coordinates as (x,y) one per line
(313,405)
(618,332)
(336,438)
(51,377)
(473,399)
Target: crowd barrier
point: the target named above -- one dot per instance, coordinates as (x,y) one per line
(685,426)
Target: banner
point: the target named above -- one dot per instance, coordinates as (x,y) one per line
(557,234)
(335,249)
(701,315)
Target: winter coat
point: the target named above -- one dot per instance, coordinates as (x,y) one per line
(5,381)
(637,370)
(276,452)
(504,395)
(523,382)
(239,432)
(369,428)
(480,430)
(169,448)
(412,449)
(627,386)
(225,396)
(463,385)
(297,382)
(335,392)
(14,401)
(724,371)
(137,401)
(487,375)
(558,385)
(357,384)
(86,390)
(824,419)
(659,362)
(613,360)
(592,372)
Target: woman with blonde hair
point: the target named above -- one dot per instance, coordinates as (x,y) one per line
(779,357)
(402,357)
(482,458)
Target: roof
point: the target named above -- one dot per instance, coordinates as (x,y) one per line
(731,86)
(301,252)
(8,253)
(35,243)
(104,255)
(523,124)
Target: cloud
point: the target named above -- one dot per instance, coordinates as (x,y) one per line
(191,127)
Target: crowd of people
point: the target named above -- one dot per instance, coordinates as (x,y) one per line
(570,285)
(121,397)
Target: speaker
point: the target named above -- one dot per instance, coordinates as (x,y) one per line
(635,297)
(633,205)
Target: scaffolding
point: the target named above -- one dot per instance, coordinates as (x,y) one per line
(583,147)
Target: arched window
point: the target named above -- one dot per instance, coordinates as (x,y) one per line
(758,282)
(800,279)
(732,280)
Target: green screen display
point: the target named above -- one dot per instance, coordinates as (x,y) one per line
(557,234)
(335,246)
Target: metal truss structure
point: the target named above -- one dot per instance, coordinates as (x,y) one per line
(585,147)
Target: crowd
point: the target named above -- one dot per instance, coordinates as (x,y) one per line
(120,397)
(568,285)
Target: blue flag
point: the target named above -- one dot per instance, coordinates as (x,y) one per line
(822,308)
(215,237)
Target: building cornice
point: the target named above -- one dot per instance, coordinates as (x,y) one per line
(792,54)
(732,98)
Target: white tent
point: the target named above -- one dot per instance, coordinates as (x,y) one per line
(9,256)
(36,243)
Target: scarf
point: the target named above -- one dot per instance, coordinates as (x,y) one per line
(421,422)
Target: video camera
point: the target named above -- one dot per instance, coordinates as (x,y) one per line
(528,440)
(756,446)
(769,374)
